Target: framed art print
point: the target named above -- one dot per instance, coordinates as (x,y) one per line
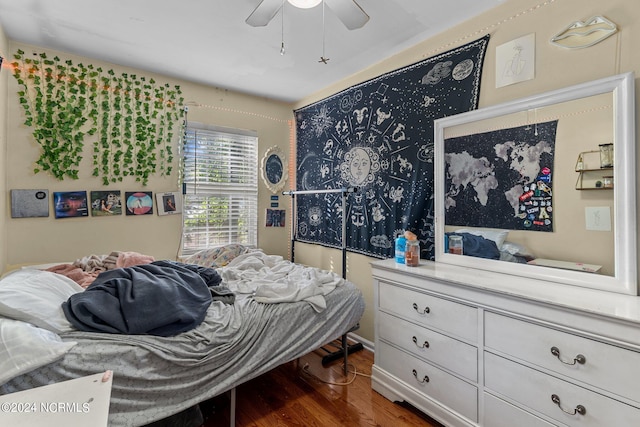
(29,203)
(69,204)
(106,203)
(275,218)
(169,203)
(139,203)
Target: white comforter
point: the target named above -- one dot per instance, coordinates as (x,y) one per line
(272,279)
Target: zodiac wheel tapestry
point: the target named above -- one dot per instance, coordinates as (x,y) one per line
(378,137)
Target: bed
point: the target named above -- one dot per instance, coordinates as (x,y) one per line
(280,312)
(491,244)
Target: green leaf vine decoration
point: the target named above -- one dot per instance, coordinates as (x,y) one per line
(129,120)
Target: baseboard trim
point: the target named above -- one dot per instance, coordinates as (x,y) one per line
(365,343)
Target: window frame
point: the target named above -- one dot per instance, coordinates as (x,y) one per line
(240,160)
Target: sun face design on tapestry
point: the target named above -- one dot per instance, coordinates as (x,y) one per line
(377,137)
(360,166)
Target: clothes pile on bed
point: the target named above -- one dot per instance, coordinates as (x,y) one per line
(84,270)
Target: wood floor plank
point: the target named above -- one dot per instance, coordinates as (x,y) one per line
(299,393)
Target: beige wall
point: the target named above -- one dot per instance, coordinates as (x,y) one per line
(555,68)
(4,79)
(40,240)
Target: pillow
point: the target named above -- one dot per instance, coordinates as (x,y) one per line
(506,256)
(216,257)
(43,266)
(36,297)
(498,236)
(23,348)
(517,249)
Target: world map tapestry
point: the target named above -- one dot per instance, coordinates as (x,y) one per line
(377,137)
(501,179)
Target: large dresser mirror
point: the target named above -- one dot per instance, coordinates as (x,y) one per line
(543,187)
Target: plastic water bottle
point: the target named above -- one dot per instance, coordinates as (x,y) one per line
(401,245)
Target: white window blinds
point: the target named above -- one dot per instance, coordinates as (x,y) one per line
(221,184)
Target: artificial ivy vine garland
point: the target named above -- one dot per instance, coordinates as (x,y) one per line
(130,120)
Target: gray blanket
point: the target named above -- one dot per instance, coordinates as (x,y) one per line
(163,298)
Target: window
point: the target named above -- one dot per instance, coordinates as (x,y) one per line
(221,187)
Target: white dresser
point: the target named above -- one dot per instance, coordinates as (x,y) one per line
(477,348)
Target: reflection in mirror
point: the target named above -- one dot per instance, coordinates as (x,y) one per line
(274,169)
(527,187)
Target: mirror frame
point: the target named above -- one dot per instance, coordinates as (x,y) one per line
(274,187)
(625,276)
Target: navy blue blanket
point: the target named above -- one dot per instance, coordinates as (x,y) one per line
(477,246)
(162,298)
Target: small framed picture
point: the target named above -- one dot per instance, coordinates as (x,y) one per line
(169,203)
(29,203)
(139,203)
(70,204)
(106,203)
(275,217)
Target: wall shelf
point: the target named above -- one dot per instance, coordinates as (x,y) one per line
(590,175)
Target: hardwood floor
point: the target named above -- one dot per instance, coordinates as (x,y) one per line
(296,394)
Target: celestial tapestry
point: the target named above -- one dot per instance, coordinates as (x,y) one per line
(377,137)
(501,179)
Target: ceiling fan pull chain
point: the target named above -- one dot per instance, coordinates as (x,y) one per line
(282,38)
(323,59)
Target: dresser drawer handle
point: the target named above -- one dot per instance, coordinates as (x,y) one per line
(425,344)
(578,410)
(425,311)
(423,380)
(578,359)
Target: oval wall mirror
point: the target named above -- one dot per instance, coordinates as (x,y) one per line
(274,169)
(529,176)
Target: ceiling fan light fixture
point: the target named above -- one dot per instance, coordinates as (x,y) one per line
(305,4)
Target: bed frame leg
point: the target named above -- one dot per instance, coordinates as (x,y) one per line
(232,408)
(343,352)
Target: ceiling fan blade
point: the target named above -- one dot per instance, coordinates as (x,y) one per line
(264,13)
(349,12)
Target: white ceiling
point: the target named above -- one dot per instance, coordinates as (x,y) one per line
(208,41)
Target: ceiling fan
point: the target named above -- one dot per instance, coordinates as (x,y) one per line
(349,12)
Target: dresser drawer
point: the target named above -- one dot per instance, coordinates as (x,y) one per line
(605,366)
(534,389)
(440,349)
(498,413)
(441,386)
(447,316)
